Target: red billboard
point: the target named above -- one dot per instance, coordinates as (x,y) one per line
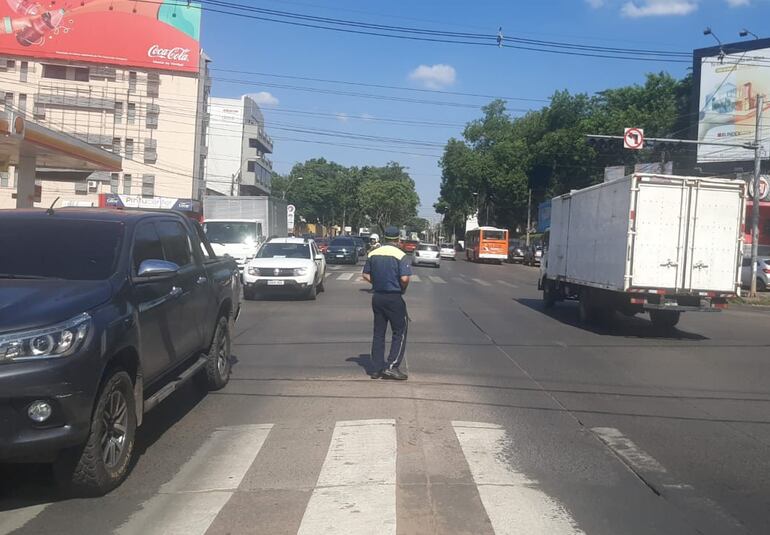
(150,34)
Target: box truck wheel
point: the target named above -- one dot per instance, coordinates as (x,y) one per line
(588,312)
(664,319)
(549,294)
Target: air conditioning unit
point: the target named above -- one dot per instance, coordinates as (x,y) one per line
(93,186)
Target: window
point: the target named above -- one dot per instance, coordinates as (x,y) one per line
(147,245)
(251,166)
(284,250)
(148,185)
(132,82)
(230,232)
(8,101)
(206,250)
(253,143)
(129,149)
(127,184)
(93,186)
(81,187)
(22,103)
(57,72)
(153,84)
(494,235)
(24,71)
(118,112)
(11,64)
(116,145)
(176,244)
(131,117)
(81,75)
(114,177)
(3,180)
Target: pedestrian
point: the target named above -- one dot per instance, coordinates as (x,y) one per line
(388,271)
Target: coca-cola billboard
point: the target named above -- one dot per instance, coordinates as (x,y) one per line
(151,34)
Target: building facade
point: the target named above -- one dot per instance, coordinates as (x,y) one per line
(155,119)
(238,146)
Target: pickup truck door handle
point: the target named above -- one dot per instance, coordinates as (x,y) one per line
(201,280)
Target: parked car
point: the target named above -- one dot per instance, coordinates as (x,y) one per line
(293,264)
(322,244)
(104,314)
(763,272)
(447,250)
(342,250)
(426,253)
(516,252)
(532,255)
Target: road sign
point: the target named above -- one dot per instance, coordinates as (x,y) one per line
(764,187)
(633,138)
(290,210)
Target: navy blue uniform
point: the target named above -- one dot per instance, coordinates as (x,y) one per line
(386,265)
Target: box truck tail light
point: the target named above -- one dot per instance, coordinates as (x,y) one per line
(638,301)
(632,215)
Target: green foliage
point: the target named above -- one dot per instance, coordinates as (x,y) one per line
(332,194)
(500,158)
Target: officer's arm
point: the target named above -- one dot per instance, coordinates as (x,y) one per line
(368,270)
(368,277)
(404,282)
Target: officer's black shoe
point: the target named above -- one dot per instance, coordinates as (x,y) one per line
(394,373)
(376,375)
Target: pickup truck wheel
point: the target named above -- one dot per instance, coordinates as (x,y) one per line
(664,319)
(218,366)
(102,463)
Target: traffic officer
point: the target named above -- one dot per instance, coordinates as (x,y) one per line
(388,271)
(374,241)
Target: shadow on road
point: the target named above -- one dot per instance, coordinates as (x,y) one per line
(365,361)
(615,325)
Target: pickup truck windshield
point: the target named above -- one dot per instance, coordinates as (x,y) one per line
(59,248)
(284,250)
(225,232)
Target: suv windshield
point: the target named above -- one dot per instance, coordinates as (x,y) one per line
(230,232)
(284,250)
(59,248)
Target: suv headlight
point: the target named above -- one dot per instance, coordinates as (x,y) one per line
(49,342)
(253,271)
(300,271)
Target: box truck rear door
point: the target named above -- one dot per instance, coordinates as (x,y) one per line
(713,237)
(657,245)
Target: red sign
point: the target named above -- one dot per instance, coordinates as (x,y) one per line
(151,34)
(633,138)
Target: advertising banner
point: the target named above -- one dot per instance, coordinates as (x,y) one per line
(159,34)
(727,106)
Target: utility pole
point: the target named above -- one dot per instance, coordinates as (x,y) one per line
(529,214)
(755,204)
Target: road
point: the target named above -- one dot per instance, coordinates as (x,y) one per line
(513,421)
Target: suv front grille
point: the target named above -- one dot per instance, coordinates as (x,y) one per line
(276,272)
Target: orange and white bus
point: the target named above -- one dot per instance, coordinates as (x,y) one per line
(486,243)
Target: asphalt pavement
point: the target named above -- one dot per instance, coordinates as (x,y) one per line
(513,420)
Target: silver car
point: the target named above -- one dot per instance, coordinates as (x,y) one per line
(426,253)
(763,272)
(447,250)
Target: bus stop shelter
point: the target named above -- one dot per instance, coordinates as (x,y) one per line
(37,152)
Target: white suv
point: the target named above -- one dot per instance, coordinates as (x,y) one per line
(293,264)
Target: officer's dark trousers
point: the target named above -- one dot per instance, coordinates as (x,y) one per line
(389,308)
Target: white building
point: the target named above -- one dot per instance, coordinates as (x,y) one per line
(238,146)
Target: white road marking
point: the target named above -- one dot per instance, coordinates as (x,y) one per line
(416,278)
(328,274)
(626,448)
(189,503)
(437,280)
(18,518)
(461,281)
(356,489)
(479,281)
(506,284)
(345,276)
(512,501)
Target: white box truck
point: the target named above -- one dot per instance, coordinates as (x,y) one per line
(237,226)
(656,243)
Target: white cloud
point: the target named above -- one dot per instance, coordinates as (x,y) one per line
(596,4)
(263,98)
(367,117)
(658,8)
(434,76)
(342,117)
(738,3)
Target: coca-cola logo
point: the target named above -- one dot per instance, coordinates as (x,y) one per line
(173,54)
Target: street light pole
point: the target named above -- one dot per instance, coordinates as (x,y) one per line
(529,214)
(755,204)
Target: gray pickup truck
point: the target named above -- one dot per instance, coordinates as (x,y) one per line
(103,314)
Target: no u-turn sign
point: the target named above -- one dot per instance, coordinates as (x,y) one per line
(633,138)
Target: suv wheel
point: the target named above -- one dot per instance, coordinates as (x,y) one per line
(102,463)
(311,293)
(217,368)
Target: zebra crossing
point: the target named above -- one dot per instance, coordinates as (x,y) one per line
(357,278)
(357,488)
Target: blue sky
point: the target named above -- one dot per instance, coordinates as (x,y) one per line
(256,46)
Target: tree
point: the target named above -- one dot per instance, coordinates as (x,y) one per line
(388,202)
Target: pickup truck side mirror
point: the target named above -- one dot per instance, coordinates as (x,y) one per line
(157,270)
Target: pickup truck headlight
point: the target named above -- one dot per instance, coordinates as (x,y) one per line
(300,271)
(49,342)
